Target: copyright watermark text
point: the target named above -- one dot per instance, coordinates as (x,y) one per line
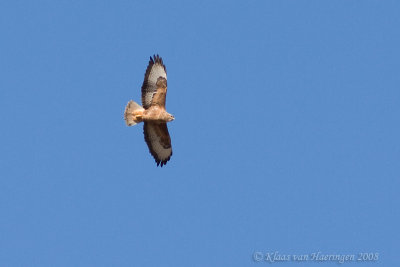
(318,256)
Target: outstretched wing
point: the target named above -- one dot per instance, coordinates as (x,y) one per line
(154,70)
(157,138)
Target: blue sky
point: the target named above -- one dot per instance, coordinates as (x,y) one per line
(286,137)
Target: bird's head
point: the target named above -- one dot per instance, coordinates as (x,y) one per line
(170,117)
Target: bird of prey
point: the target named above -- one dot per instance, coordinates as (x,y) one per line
(152,112)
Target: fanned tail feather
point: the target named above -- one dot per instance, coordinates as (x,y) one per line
(133,113)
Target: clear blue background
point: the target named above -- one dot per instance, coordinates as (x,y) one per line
(286,135)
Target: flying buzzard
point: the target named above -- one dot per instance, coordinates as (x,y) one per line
(153,113)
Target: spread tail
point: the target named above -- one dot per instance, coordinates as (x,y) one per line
(133,113)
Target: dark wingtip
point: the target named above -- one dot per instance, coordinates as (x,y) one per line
(161,163)
(157,59)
